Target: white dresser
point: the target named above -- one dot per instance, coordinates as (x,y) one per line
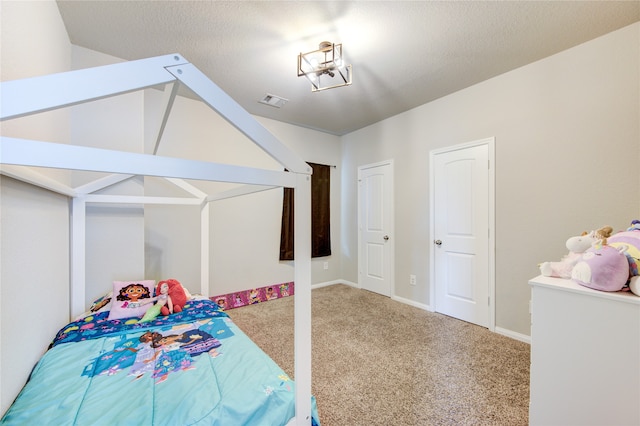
(585,355)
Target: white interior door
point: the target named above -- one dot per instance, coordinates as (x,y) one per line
(375,222)
(462,228)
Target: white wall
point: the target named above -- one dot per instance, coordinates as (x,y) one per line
(567,149)
(34,224)
(114,233)
(244,231)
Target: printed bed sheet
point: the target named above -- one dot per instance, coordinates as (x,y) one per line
(193,367)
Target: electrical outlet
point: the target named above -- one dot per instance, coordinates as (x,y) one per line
(412,279)
(325,265)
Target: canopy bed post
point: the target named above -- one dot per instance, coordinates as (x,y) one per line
(78,258)
(75,87)
(204,248)
(302,305)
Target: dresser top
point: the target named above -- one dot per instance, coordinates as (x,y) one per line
(573,287)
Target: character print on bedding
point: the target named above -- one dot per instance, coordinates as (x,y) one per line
(158,352)
(133,294)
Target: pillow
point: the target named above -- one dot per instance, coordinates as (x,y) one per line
(131,298)
(187,293)
(101,304)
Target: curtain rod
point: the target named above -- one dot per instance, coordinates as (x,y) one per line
(328,165)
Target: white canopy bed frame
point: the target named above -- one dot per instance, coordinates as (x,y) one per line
(35,95)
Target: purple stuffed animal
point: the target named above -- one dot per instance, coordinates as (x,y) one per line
(603,268)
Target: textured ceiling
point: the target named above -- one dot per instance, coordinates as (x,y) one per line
(404,54)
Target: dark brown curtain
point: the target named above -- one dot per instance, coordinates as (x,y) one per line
(286,231)
(320,215)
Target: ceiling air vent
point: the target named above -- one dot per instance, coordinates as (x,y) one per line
(273,100)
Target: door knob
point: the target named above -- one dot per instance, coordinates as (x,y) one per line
(386,238)
(438,242)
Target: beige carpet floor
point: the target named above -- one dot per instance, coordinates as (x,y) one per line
(381,362)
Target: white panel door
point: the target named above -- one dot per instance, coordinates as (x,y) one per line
(375,222)
(461,225)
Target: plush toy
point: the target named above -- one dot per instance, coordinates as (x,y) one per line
(602,267)
(634,285)
(576,246)
(635,225)
(171,296)
(613,264)
(629,241)
(151,313)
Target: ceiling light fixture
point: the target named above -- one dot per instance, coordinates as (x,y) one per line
(324,68)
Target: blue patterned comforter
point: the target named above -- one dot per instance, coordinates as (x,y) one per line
(195,367)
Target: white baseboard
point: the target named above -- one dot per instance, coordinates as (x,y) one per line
(412,303)
(514,335)
(352,284)
(328,283)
